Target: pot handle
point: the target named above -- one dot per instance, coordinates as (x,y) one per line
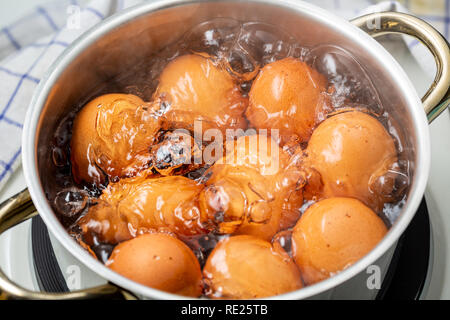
(18,209)
(437,98)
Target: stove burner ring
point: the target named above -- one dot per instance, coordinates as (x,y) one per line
(48,273)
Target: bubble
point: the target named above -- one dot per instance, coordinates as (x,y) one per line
(176,150)
(260,212)
(243,47)
(103,251)
(59,157)
(265,43)
(392,184)
(351,84)
(225,205)
(283,240)
(213,36)
(391,211)
(70,202)
(202,245)
(199,174)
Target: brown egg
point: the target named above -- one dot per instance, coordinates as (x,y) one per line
(287,95)
(159,261)
(254,189)
(192,87)
(332,235)
(247,267)
(111,135)
(350,152)
(136,205)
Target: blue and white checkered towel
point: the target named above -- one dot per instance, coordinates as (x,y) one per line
(29,46)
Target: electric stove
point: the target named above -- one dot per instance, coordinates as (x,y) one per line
(420,267)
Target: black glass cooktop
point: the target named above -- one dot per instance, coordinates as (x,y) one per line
(404,280)
(407,272)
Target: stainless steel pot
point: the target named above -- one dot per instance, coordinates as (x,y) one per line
(120,41)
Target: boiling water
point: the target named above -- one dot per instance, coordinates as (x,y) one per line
(244,48)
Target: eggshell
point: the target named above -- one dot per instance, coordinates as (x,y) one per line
(247,267)
(192,87)
(332,235)
(286,96)
(159,261)
(111,135)
(350,151)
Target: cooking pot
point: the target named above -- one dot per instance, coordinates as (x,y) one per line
(132,35)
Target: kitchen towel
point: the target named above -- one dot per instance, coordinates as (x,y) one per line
(29,46)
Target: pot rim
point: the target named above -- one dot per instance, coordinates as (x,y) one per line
(29,141)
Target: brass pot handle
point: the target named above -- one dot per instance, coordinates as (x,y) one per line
(437,98)
(18,209)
